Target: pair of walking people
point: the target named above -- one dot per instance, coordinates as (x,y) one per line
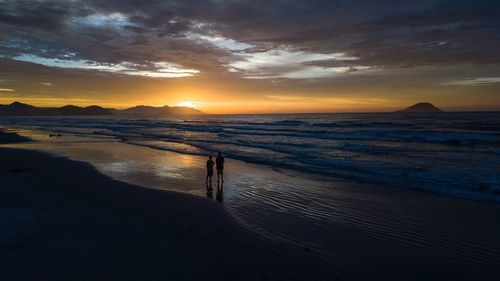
(219,166)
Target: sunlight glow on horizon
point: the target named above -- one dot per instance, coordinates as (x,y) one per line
(187,103)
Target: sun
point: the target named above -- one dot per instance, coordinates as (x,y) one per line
(186,103)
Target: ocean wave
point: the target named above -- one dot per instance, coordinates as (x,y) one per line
(454,155)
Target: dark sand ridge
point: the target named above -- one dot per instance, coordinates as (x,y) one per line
(65,221)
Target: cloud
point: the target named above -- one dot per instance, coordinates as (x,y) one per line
(287,63)
(482,81)
(150,69)
(6,90)
(220,42)
(210,35)
(41,15)
(111,20)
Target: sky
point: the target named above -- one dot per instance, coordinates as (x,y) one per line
(259,56)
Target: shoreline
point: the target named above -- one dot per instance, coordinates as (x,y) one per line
(78,224)
(62,220)
(8,137)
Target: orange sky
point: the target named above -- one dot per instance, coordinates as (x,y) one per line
(231,94)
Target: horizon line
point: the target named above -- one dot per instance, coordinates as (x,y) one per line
(395,110)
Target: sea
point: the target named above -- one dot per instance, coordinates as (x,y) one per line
(455,154)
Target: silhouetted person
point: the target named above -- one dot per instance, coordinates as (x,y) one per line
(219,164)
(210,173)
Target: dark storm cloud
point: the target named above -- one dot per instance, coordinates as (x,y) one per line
(35,14)
(379,34)
(450,32)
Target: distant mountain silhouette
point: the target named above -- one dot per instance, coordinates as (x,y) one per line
(423,107)
(152,110)
(22,109)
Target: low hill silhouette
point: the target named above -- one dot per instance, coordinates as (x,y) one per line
(422,107)
(22,109)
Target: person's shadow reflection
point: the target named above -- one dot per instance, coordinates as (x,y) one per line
(210,190)
(220,192)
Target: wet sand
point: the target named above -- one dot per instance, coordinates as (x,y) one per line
(63,220)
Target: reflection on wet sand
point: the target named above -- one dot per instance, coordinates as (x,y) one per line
(220,191)
(138,165)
